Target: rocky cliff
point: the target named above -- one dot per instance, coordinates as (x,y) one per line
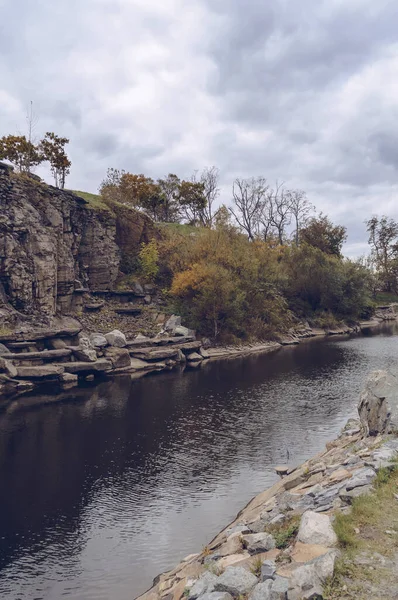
(55,244)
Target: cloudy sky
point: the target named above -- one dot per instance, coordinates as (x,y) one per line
(305,92)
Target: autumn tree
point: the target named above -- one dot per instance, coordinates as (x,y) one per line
(321,233)
(52,149)
(192,201)
(248,198)
(110,188)
(383,239)
(22,153)
(169,191)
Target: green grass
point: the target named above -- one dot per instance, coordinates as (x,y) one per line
(285,531)
(95,201)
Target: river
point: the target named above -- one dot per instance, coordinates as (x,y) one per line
(103,491)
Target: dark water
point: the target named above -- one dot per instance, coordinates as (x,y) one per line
(102,492)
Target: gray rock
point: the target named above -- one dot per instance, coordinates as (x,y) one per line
(384,456)
(258,542)
(328,495)
(6,366)
(119,357)
(348,496)
(84,352)
(239,528)
(279,588)
(138,289)
(307,581)
(57,344)
(378,404)
(98,340)
(236,581)
(181,330)
(205,584)
(203,353)
(4,349)
(262,591)
(258,525)
(116,338)
(268,570)
(361,477)
(173,322)
(316,529)
(216,596)
(194,357)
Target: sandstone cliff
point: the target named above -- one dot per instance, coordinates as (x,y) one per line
(54,244)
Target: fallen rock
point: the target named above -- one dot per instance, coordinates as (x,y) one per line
(154,355)
(4,349)
(268,570)
(258,542)
(279,588)
(378,404)
(68,380)
(173,322)
(6,366)
(181,330)
(116,338)
(194,357)
(316,528)
(204,584)
(98,340)
(303,553)
(101,365)
(262,591)
(236,581)
(57,344)
(232,546)
(119,357)
(85,351)
(307,581)
(216,596)
(203,353)
(348,496)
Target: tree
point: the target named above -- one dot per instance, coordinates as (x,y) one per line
(279,209)
(209,179)
(110,186)
(248,196)
(321,233)
(169,192)
(52,148)
(383,234)
(22,153)
(300,209)
(191,200)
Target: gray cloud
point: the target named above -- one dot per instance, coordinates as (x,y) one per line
(301,92)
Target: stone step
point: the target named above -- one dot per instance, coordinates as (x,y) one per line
(101,365)
(160,341)
(43,355)
(50,372)
(40,334)
(154,355)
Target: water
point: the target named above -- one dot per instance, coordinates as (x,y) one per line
(102,492)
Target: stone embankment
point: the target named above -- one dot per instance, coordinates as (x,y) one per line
(282,545)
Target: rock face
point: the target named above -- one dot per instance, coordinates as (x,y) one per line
(378,405)
(52,242)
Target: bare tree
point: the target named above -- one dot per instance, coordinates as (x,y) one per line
(209,180)
(248,196)
(279,199)
(300,209)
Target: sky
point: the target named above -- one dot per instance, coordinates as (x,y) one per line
(301,92)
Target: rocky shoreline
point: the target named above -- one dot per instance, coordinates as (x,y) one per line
(65,354)
(282,545)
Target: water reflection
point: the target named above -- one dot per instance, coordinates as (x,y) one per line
(102,492)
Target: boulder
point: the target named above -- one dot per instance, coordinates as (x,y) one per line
(307,581)
(6,366)
(4,349)
(233,545)
(116,338)
(316,528)
(98,340)
(268,570)
(194,357)
(57,344)
(258,542)
(236,581)
(279,588)
(173,322)
(216,596)
(378,404)
(262,591)
(68,380)
(84,352)
(119,357)
(181,330)
(205,584)
(203,353)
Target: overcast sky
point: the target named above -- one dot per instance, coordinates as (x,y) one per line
(305,92)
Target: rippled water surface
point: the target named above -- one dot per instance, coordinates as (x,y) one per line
(105,490)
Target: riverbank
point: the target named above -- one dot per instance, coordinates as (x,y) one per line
(291,540)
(65,355)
